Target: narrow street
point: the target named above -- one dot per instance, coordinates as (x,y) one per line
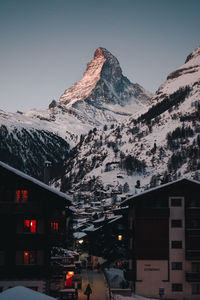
(97,283)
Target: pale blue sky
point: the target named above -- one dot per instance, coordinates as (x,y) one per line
(45,44)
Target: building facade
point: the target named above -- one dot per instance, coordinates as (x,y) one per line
(164,241)
(33,219)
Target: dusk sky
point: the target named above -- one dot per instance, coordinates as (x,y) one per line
(46,44)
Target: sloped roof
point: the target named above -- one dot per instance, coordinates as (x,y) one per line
(159,187)
(23,293)
(35,181)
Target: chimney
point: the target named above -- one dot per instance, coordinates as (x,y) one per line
(47,171)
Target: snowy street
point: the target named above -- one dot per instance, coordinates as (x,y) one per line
(97,283)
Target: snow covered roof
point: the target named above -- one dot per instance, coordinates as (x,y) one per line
(35,181)
(104,218)
(79,235)
(115,219)
(23,293)
(160,187)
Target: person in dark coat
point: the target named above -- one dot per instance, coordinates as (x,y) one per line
(88,291)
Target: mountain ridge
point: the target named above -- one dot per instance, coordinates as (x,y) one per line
(160,145)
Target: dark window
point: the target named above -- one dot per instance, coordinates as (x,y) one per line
(196,289)
(21,195)
(176,223)
(54,226)
(30,226)
(176,265)
(176,202)
(177,287)
(196,267)
(176,244)
(29,257)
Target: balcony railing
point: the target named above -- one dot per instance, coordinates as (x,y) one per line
(193,276)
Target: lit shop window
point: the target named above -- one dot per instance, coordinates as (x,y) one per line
(21,195)
(29,257)
(30,225)
(69,276)
(54,226)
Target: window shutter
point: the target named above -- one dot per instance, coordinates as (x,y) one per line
(40,257)
(19,257)
(40,226)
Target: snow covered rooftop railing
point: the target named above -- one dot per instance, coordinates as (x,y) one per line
(35,181)
(160,187)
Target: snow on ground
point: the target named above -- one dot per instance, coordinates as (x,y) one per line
(134,297)
(23,293)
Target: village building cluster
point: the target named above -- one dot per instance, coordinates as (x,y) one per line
(154,237)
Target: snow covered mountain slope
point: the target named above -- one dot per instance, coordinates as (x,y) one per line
(102,96)
(160,145)
(26,144)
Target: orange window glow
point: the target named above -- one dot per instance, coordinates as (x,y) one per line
(30,225)
(29,257)
(54,226)
(69,276)
(21,195)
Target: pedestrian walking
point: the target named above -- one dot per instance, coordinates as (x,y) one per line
(88,291)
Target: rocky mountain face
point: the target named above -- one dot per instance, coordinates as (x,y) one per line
(102,96)
(26,145)
(159,145)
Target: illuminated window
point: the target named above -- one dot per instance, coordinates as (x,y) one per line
(29,257)
(69,276)
(54,226)
(119,237)
(30,225)
(21,195)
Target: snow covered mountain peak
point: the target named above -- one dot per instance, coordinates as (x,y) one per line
(83,88)
(103,84)
(186,75)
(194,54)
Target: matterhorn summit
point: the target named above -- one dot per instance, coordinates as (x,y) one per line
(102,96)
(104,87)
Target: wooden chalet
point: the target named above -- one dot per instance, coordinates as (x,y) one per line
(33,218)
